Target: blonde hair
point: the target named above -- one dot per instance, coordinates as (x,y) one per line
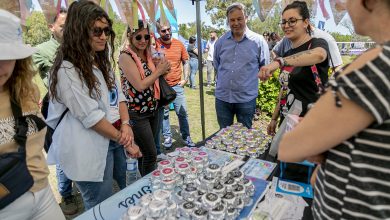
(21,87)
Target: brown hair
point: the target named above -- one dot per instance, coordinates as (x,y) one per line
(76,48)
(20,85)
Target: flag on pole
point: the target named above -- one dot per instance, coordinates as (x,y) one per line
(339,10)
(171,7)
(150,8)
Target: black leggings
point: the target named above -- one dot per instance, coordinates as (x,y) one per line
(144,129)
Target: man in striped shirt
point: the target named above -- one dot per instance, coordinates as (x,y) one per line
(176,53)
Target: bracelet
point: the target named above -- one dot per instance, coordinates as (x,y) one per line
(126,122)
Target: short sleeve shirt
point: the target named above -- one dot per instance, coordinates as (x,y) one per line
(354,181)
(301,82)
(176,53)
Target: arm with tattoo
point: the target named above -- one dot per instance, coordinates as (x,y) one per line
(306,58)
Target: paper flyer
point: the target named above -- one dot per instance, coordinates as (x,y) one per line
(260,169)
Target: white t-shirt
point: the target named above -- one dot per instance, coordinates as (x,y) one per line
(285,45)
(210,47)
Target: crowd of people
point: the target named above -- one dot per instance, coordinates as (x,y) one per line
(99,118)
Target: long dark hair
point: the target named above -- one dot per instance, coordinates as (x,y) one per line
(303,10)
(76,48)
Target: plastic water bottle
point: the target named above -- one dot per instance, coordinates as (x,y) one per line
(162,51)
(132,170)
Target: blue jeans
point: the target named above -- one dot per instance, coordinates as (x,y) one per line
(243,111)
(94,193)
(194,68)
(120,166)
(64,184)
(181,111)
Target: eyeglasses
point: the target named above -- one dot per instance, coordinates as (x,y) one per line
(291,22)
(97,32)
(139,37)
(165,30)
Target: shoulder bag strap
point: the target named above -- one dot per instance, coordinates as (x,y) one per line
(21,126)
(317,79)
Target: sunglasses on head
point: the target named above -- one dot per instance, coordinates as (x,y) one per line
(139,37)
(165,30)
(97,32)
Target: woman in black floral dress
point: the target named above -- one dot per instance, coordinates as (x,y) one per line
(140,85)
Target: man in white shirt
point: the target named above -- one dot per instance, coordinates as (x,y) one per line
(210,57)
(285,45)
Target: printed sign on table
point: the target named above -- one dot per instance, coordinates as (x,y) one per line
(260,169)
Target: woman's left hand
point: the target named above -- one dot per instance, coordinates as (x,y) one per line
(266,71)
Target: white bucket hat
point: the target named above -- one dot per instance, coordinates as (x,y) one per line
(11,41)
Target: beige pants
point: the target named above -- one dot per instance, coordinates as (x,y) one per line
(39,205)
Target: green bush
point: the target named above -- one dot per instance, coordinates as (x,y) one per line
(268,94)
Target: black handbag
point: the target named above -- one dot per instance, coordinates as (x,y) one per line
(167,94)
(15,178)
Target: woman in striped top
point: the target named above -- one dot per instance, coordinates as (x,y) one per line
(349,128)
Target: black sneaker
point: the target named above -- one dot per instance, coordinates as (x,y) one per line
(68,205)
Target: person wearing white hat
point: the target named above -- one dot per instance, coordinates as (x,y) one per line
(16,74)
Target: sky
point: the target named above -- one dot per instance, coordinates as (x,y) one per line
(186,13)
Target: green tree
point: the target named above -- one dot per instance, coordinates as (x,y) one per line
(36,29)
(217,10)
(119,29)
(271,23)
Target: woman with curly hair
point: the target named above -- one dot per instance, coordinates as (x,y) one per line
(80,82)
(17,87)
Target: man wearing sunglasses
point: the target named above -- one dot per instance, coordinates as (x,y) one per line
(43,60)
(238,57)
(176,54)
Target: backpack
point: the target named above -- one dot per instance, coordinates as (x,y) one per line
(49,131)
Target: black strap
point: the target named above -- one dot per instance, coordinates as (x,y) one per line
(331,61)
(21,126)
(62,116)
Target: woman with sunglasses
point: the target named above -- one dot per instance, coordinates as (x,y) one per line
(141,87)
(80,83)
(304,69)
(349,128)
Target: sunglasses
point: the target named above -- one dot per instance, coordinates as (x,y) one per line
(165,30)
(139,37)
(291,22)
(97,32)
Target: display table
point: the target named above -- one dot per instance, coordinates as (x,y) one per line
(116,205)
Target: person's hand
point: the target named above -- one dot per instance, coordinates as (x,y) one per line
(317,159)
(271,127)
(163,67)
(182,83)
(133,151)
(313,177)
(127,133)
(266,71)
(166,107)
